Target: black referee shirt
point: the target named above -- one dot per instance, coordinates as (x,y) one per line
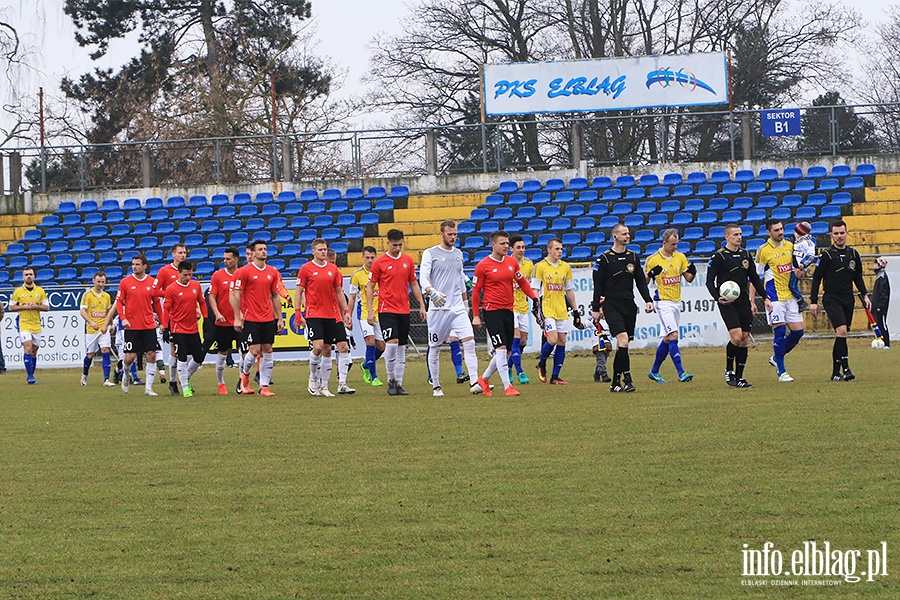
(839,269)
(615,274)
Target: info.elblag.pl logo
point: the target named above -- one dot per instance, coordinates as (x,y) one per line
(819,560)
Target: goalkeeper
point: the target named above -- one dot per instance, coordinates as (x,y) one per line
(444,283)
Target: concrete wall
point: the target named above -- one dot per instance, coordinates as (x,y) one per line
(474,182)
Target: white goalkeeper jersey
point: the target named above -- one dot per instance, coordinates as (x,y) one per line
(443,270)
(805,250)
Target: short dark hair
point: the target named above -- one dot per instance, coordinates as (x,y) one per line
(256,243)
(316,242)
(26,269)
(515,239)
(141,258)
(177,246)
(837,223)
(234,252)
(498,234)
(447,224)
(731,226)
(370,249)
(394,235)
(100,273)
(185,265)
(771,223)
(552,240)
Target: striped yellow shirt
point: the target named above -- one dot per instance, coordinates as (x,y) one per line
(777,265)
(554,279)
(668,283)
(97,306)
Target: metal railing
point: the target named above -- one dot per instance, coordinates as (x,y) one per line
(650,136)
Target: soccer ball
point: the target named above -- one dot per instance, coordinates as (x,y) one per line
(877,344)
(730,290)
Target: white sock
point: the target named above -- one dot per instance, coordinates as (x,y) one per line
(400,365)
(265,373)
(247,363)
(150,375)
(434,364)
(173,368)
(345,361)
(183,376)
(502,366)
(471,359)
(193,367)
(314,365)
(390,360)
(492,366)
(220,369)
(325,371)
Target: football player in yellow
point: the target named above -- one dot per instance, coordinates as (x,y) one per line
(97,312)
(667,266)
(371,333)
(29,301)
(553,283)
(520,308)
(775,263)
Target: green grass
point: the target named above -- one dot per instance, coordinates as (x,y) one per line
(564,492)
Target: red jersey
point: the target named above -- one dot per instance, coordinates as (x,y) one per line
(220,287)
(319,284)
(136,302)
(164,278)
(496,278)
(393,276)
(181,305)
(257,286)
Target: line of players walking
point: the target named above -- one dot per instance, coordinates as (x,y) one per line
(245,306)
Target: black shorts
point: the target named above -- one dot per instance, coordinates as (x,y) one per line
(257,332)
(394,326)
(738,314)
(188,344)
(140,341)
(243,346)
(500,325)
(839,310)
(327,330)
(226,337)
(621,315)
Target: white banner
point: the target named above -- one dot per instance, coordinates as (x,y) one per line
(609,84)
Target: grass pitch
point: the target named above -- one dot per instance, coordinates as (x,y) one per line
(564,492)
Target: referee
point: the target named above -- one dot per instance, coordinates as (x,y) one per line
(616,271)
(733,263)
(839,267)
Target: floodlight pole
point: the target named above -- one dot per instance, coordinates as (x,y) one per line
(730,112)
(484,160)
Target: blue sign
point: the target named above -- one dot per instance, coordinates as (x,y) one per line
(782,122)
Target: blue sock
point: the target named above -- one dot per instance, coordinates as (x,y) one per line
(456,357)
(793,339)
(546,349)
(107,364)
(28,361)
(371,361)
(778,345)
(515,355)
(134,370)
(559,357)
(675,353)
(87,365)
(662,351)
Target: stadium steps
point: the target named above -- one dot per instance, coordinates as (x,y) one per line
(13,227)
(420,222)
(875,223)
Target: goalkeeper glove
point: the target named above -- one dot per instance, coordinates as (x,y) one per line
(537,312)
(654,272)
(166,336)
(692,269)
(438,299)
(576,319)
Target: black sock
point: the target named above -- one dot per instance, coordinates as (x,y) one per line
(840,354)
(730,354)
(741,358)
(621,362)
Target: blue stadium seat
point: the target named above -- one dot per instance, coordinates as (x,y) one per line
(292,208)
(720,177)
(782,213)
(87,273)
(479,214)
(231,225)
(816,172)
(624,181)
(354,194)
(160,214)
(15,248)
(692,233)
(66,207)
(361,206)
(126,243)
(264,198)
(841,198)
(580,254)
(514,226)
(792,174)
(330,234)
(598,210)
(131,204)
(804,186)
(819,228)
(584,224)
(93,218)
(780,187)
(239,238)
(247,210)
(218,200)
(53,233)
(683,191)
(197,201)
(672,179)
(286,196)
(340,247)
(573,210)
(269,210)
(536,225)
(554,185)
(192,240)
(706,217)
(315,207)
(153,203)
(241,199)
(541,198)
(704,247)
(658,220)
(694,205)
(767,202)
(17,262)
(649,181)
(109,205)
(642,236)
(291,250)
(564,196)
(682,218)
(696,178)
(634,221)
(550,211)
(186,227)
(754,244)
(384,204)
(489,226)
(544,239)
(744,176)
(531,186)
(577,184)
(256,223)
(595,238)
(652,248)
(561,224)
(33,248)
(716,232)
(98,231)
(88,206)
(660,192)
(816,199)
(732,216)
(601,183)
(179,214)
(494,200)
(853,183)
(517,199)
(635,193)
(71,219)
(376,193)
(829,185)
(608,222)
(75,233)
(742,203)
(338,206)
(276,223)
(732,189)
(622,208)
(707,190)
(767,175)
(840,171)
(216,239)
(40,260)
(755,215)
(309,196)
(473,242)
(508,187)
(644,208)
(369,218)
(755,188)
(198,254)
(465,228)
(136,216)
(114,273)
(50,221)
(588,196)
(611,195)
(175,202)
(830,211)
(302,222)
(296,263)
(103,245)
(805,213)
(399,192)
(791,201)
(148,242)
(719,203)
(502,213)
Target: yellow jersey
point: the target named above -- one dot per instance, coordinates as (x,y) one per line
(553,281)
(668,283)
(777,265)
(30,320)
(520,300)
(358,282)
(97,306)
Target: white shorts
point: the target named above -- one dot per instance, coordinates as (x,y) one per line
(367,330)
(522,322)
(120,342)
(784,311)
(557,325)
(444,323)
(669,313)
(93,342)
(27,336)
